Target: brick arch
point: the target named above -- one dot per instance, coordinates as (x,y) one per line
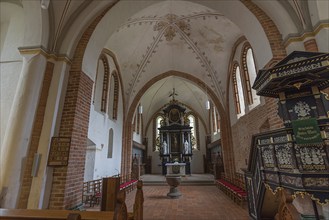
(272,32)
(232,72)
(228,155)
(106,81)
(67,182)
(115,104)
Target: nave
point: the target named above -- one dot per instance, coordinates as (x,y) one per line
(196,203)
(199,201)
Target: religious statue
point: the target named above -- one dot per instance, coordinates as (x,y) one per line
(186,147)
(165,147)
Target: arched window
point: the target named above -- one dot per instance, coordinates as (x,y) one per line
(250,74)
(216,121)
(110,144)
(114,96)
(194,131)
(156,136)
(238,91)
(101,85)
(105,88)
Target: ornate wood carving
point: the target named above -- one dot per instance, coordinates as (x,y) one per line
(287,210)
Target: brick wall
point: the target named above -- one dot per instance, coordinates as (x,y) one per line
(34,143)
(311,45)
(242,132)
(68,181)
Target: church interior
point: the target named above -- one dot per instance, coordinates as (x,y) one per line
(97,95)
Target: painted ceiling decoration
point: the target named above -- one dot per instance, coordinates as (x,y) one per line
(170,26)
(190,38)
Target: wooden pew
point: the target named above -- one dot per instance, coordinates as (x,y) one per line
(43,214)
(137,213)
(119,212)
(234,188)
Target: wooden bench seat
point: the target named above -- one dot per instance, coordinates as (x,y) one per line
(38,214)
(234,188)
(119,209)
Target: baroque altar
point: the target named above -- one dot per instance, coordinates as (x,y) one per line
(175,137)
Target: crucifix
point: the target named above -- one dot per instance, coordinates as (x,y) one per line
(173,94)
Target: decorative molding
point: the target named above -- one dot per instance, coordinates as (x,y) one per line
(292,38)
(45,53)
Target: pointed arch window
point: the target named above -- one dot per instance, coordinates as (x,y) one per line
(215,120)
(249,69)
(194,131)
(105,87)
(114,96)
(101,84)
(156,134)
(238,91)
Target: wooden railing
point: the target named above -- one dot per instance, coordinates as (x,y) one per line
(235,188)
(92,190)
(119,212)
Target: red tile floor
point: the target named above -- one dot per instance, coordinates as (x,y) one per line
(196,203)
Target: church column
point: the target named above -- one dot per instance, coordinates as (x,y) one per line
(41,183)
(20,122)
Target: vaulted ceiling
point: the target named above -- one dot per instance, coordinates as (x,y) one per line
(193,39)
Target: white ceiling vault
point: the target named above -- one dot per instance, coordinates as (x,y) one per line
(174,36)
(154,37)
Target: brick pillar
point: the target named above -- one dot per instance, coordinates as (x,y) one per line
(68,180)
(311,45)
(34,143)
(67,185)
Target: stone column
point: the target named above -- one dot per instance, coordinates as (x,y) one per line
(20,122)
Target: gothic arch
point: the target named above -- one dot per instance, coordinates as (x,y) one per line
(226,134)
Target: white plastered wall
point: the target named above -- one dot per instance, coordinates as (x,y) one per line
(11,32)
(98,132)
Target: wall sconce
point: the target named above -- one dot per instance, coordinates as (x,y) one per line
(140,109)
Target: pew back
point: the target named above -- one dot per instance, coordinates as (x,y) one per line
(9,214)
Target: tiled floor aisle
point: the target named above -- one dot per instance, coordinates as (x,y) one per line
(196,203)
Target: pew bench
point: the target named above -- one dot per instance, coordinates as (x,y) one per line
(127,183)
(234,188)
(37,214)
(119,213)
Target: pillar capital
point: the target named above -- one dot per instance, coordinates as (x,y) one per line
(30,52)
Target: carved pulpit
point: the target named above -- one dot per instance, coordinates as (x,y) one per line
(175,137)
(296,157)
